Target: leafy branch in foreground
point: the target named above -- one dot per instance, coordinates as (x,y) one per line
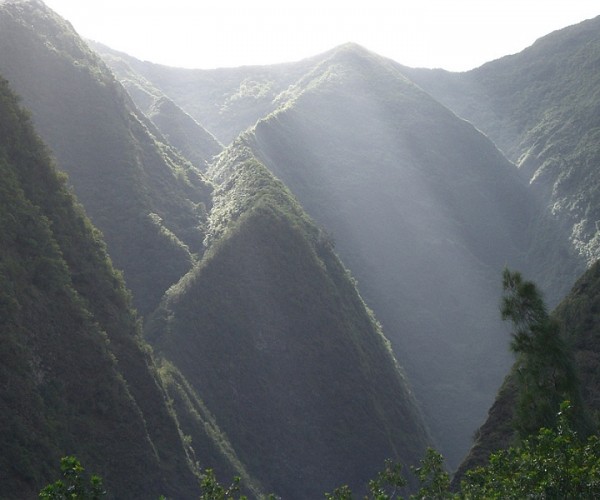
(552,464)
(555,463)
(434,481)
(211,489)
(73,485)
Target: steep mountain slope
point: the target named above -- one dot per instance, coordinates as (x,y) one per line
(179,128)
(226,101)
(183,132)
(273,337)
(542,108)
(426,212)
(75,376)
(148,201)
(423,208)
(578,313)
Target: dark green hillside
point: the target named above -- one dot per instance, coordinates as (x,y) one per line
(273,337)
(148,201)
(542,107)
(226,100)
(426,212)
(579,314)
(75,376)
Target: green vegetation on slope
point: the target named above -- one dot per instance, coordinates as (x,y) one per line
(552,463)
(66,329)
(177,126)
(183,132)
(147,200)
(578,316)
(542,107)
(226,100)
(544,368)
(272,335)
(426,213)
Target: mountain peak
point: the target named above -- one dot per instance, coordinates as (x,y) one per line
(351,47)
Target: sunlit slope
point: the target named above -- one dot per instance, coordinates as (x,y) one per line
(226,101)
(272,335)
(424,210)
(75,376)
(542,108)
(579,314)
(148,201)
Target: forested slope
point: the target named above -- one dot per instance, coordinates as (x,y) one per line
(275,367)
(177,126)
(423,208)
(75,375)
(147,200)
(426,212)
(226,101)
(273,337)
(578,315)
(542,107)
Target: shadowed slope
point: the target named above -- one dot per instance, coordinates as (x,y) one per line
(179,128)
(75,376)
(148,201)
(272,335)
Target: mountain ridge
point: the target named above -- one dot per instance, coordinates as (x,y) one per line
(268,354)
(392,127)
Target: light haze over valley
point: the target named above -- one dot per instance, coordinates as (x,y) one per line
(278,249)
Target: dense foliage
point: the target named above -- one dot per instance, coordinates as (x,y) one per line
(66,328)
(573,325)
(551,464)
(271,366)
(554,463)
(73,485)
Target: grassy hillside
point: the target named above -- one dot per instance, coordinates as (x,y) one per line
(148,201)
(273,337)
(425,211)
(75,376)
(541,107)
